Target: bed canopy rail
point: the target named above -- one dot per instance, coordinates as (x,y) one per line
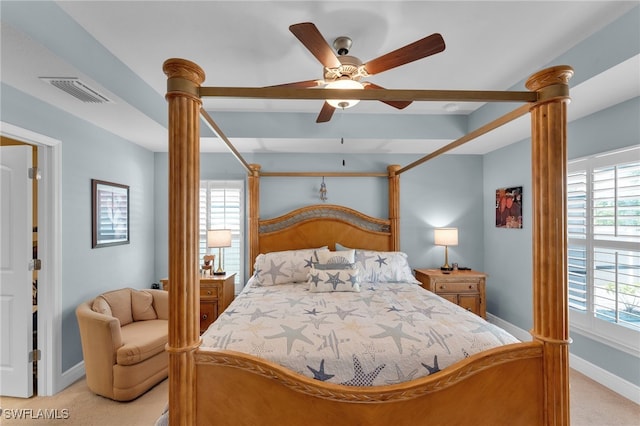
(373,94)
(547,103)
(369,94)
(391,236)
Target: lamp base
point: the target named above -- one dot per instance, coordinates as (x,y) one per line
(219,273)
(446,268)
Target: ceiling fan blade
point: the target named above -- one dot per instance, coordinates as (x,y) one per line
(422,48)
(301,84)
(395,104)
(309,35)
(325,113)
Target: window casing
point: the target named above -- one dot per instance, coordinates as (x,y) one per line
(222,207)
(603,222)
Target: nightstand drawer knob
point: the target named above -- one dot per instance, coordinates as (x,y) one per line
(205,316)
(209,292)
(442,287)
(470,287)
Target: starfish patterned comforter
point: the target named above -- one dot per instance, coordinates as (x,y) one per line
(385,333)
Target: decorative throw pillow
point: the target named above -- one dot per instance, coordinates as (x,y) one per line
(325,266)
(383,267)
(321,281)
(282,267)
(142,305)
(336,257)
(120,303)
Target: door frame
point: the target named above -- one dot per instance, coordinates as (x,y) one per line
(50,379)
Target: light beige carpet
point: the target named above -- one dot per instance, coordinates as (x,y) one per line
(591,404)
(88,409)
(594,405)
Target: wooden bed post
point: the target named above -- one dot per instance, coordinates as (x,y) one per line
(254,213)
(183,82)
(550,299)
(394,205)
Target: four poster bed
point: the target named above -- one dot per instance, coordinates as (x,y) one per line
(513,383)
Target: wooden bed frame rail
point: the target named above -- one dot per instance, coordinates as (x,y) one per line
(526,383)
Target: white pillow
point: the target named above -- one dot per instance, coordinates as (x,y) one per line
(329,280)
(383,267)
(283,267)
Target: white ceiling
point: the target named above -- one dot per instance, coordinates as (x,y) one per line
(119,47)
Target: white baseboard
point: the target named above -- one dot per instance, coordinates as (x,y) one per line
(70,376)
(516,332)
(609,380)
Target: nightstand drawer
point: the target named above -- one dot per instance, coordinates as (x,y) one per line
(457,287)
(208,292)
(208,313)
(465,288)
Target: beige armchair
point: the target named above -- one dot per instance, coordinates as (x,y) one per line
(124,334)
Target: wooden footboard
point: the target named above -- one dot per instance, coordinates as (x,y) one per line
(502,386)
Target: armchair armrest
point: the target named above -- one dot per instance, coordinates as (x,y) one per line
(101,337)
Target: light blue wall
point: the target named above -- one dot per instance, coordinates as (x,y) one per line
(445,192)
(89,152)
(508,252)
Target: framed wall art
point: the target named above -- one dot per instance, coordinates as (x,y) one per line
(109,214)
(509,207)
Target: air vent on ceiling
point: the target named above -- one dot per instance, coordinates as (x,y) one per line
(77,89)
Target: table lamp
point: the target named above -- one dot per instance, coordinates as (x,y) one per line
(446,237)
(219,238)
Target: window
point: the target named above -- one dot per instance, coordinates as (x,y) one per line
(222,207)
(603,208)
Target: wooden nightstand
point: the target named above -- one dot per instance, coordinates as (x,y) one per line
(216,293)
(464,288)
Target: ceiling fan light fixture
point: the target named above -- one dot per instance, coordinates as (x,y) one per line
(344,83)
(451,107)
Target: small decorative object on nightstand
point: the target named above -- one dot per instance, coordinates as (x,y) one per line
(207,267)
(216,293)
(465,288)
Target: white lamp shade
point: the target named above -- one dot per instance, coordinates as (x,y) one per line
(344,84)
(445,236)
(219,238)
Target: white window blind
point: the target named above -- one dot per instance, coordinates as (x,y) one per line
(603,222)
(222,207)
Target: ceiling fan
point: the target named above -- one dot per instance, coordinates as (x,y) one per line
(344,71)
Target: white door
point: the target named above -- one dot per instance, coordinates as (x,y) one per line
(16,326)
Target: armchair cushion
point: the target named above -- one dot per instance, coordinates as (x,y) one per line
(141,341)
(120,303)
(142,306)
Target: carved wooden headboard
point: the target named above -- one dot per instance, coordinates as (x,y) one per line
(324,225)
